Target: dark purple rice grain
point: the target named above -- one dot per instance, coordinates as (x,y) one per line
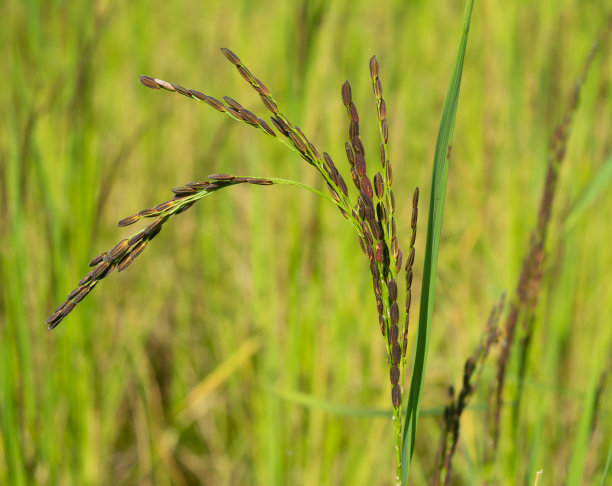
(396,396)
(396,352)
(393,333)
(128,221)
(379,185)
(148,82)
(215,103)
(270,105)
(392,288)
(233,58)
(346,93)
(266,127)
(394,313)
(349,153)
(366,186)
(394,374)
(409,278)
(95,260)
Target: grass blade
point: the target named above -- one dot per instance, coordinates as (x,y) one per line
(434,228)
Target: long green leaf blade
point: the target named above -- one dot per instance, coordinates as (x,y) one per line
(434,228)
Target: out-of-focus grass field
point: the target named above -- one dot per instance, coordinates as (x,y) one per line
(242,345)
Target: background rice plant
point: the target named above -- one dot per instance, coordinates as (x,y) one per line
(243,346)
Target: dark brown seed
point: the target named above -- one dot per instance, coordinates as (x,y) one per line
(366,186)
(87,277)
(379,251)
(353,111)
(81,295)
(128,221)
(385,130)
(278,125)
(183,191)
(361,210)
(250,117)
(396,396)
(298,142)
(382,110)
(147,212)
(100,271)
(392,201)
(394,247)
(381,323)
(413,219)
(392,287)
(333,193)
(413,236)
(378,89)
(136,238)
(393,333)
(379,185)
(405,345)
(270,105)
(95,260)
(367,235)
(125,262)
(370,253)
(116,251)
(151,230)
(261,88)
(355,178)
(374,270)
(358,144)
(374,67)
(409,278)
(389,174)
(394,374)
(379,306)
(221,177)
(342,184)
(410,259)
(363,249)
(266,127)
(74,292)
(246,75)
(235,113)
(165,205)
(216,104)
(376,285)
(353,130)
(260,181)
(376,229)
(179,89)
(415,198)
(383,156)
(408,299)
(360,164)
(394,312)
(346,93)
(349,153)
(197,94)
(231,57)
(68,308)
(398,263)
(148,82)
(138,249)
(211,187)
(396,352)
(314,151)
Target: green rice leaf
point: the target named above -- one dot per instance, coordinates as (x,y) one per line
(434,228)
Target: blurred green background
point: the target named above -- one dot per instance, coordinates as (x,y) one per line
(241,347)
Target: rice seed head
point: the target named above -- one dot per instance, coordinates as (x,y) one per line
(392,288)
(148,81)
(216,104)
(196,94)
(116,251)
(394,312)
(346,94)
(181,90)
(233,103)
(379,185)
(393,333)
(129,220)
(396,396)
(366,186)
(97,259)
(270,105)
(360,164)
(394,374)
(353,112)
(396,352)
(231,57)
(374,68)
